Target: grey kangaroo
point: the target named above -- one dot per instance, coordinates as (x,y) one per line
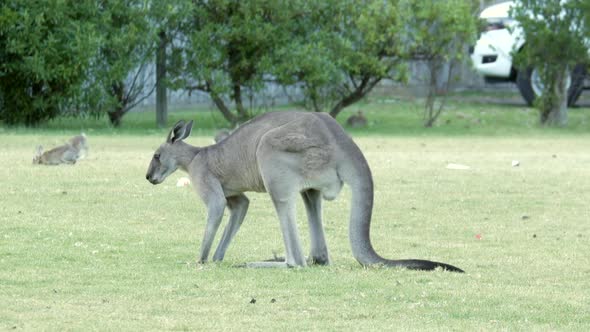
(76,148)
(286,154)
(79,143)
(357,120)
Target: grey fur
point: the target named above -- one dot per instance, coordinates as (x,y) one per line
(76,148)
(221,135)
(80,143)
(286,154)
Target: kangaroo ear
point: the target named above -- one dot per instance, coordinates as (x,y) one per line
(39,150)
(175,129)
(180,131)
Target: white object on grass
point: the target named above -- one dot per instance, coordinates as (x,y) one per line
(515,163)
(183,182)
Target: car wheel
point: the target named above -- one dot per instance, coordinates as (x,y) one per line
(531,86)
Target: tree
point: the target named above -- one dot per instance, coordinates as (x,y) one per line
(161,87)
(121,63)
(340,50)
(585,7)
(337,51)
(554,33)
(437,32)
(227,50)
(73,58)
(167,17)
(45,52)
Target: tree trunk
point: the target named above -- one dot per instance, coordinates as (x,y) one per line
(433,70)
(118,91)
(161,95)
(438,87)
(314,98)
(116,116)
(429,109)
(237,96)
(554,110)
(227,114)
(357,94)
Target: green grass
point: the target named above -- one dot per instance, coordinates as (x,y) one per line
(96,247)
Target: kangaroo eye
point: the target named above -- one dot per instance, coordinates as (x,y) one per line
(157,156)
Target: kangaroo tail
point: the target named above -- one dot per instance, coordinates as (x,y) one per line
(358,176)
(354,170)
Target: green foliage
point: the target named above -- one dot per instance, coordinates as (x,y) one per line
(72,58)
(128,43)
(342,50)
(46,49)
(555,33)
(227,49)
(437,32)
(437,29)
(336,51)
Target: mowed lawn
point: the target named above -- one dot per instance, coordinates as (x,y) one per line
(94,246)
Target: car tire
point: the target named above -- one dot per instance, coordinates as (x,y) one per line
(525,86)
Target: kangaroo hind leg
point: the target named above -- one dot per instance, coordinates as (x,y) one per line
(285,207)
(312,199)
(282,179)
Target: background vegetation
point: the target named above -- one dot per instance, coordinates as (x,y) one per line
(557,44)
(90,58)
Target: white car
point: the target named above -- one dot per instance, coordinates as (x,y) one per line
(492,57)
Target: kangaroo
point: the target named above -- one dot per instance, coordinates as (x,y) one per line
(63,154)
(80,143)
(285,154)
(221,135)
(75,149)
(357,120)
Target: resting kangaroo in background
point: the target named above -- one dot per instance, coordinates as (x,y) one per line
(357,120)
(63,154)
(79,143)
(75,149)
(285,154)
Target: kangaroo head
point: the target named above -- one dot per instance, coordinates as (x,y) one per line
(38,154)
(165,159)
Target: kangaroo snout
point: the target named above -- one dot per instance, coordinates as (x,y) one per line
(152,180)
